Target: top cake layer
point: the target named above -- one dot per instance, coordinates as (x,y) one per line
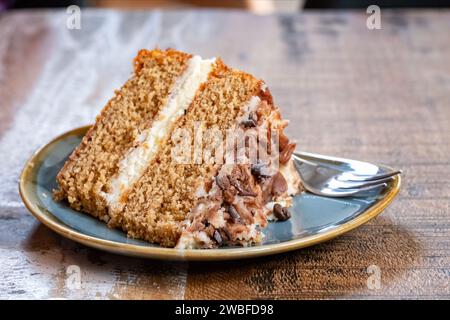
(125,172)
(87,174)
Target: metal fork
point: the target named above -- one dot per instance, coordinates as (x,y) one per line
(338,177)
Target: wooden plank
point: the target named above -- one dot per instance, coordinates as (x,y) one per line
(39,264)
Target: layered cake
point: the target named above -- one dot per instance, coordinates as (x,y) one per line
(188,153)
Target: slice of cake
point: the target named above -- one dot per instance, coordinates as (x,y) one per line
(188,153)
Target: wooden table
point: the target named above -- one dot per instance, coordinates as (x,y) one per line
(381,95)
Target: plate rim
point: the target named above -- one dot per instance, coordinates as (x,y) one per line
(161,253)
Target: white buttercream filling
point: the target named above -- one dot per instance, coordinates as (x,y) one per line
(132,166)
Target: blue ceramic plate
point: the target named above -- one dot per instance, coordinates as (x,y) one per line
(314,219)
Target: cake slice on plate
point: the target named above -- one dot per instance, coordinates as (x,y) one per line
(188,153)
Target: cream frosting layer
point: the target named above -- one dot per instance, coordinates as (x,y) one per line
(132,166)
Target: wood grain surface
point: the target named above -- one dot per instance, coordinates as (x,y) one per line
(378,95)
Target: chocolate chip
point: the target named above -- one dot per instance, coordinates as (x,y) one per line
(259,171)
(225,235)
(247,193)
(251,122)
(281,213)
(223,182)
(248,123)
(217,237)
(279,184)
(242,191)
(233,213)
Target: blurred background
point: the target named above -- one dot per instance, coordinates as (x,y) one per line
(256,6)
